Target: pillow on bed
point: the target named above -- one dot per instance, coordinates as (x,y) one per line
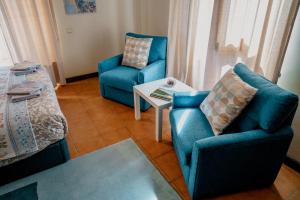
(226,101)
(136,52)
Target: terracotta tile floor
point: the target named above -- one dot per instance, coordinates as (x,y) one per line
(95,122)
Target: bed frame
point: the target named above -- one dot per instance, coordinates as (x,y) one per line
(51,156)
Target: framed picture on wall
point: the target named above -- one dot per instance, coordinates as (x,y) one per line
(80,6)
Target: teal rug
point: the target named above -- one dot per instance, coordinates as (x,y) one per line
(28,192)
(120,171)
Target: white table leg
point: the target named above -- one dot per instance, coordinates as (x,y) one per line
(137,107)
(158,124)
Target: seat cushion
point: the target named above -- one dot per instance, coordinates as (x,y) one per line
(188,126)
(120,77)
(270,108)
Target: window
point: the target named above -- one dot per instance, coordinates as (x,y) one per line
(255,33)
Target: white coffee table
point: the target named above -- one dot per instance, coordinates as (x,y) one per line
(144,91)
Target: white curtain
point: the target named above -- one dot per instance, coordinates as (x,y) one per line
(254,32)
(208,37)
(30,33)
(188,33)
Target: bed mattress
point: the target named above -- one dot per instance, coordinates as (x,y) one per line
(48,123)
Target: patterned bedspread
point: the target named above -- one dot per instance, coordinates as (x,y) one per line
(47,122)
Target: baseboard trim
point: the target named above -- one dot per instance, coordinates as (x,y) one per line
(295,165)
(81,77)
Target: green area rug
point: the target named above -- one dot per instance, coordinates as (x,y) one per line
(120,171)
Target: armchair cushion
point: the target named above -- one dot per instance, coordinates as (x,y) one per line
(188,126)
(121,77)
(158,50)
(270,108)
(226,101)
(136,52)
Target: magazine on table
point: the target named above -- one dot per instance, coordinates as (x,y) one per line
(163,93)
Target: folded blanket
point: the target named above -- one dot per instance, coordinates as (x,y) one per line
(18,98)
(26,88)
(25,66)
(20,73)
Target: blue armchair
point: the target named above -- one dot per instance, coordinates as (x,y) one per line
(117,81)
(250,152)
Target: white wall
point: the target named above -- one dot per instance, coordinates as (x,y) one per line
(153,16)
(88,38)
(290,80)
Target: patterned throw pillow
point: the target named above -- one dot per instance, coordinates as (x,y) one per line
(226,101)
(136,52)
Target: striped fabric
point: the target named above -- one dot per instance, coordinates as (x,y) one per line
(136,52)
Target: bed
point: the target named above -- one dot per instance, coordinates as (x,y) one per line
(47,124)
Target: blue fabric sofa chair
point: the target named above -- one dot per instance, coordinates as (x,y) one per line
(117,81)
(250,152)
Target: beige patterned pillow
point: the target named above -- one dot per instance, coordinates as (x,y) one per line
(136,52)
(226,101)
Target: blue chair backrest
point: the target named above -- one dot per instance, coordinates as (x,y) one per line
(158,49)
(271,108)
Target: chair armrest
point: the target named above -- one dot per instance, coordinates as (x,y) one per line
(110,63)
(188,99)
(152,72)
(245,160)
